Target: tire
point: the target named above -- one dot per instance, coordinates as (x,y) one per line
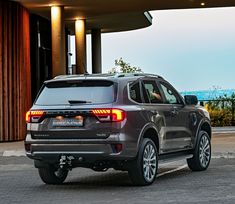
(52,175)
(202,153)
(143,170)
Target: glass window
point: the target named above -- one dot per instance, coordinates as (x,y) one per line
(135,92)
(75,92)
(153,92)
(171,97)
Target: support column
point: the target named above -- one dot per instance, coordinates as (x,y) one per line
(80,36)
(58,41)
(96,50)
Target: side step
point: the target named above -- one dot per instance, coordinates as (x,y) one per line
(174,157)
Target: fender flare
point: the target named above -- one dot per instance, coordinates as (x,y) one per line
(144,130)
(202,122)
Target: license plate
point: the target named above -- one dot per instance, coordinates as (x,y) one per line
(68,122)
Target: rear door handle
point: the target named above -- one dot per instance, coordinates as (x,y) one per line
(174,112)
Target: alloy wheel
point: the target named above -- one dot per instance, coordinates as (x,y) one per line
(149,162)
(204,151)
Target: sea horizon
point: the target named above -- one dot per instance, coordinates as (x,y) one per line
(209,94)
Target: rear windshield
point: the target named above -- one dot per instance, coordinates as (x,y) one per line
(77,92)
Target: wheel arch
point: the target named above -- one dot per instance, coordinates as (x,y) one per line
(151,132)
(204,126)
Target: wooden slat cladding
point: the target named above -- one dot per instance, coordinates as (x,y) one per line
(15,84)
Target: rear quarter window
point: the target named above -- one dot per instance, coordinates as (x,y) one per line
(134,92)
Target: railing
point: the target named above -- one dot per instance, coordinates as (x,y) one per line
(222,111)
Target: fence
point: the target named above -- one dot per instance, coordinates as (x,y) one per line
(222,111)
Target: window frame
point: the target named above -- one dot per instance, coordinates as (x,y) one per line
(158,82)
(174,91)
(132,83)
(161,94)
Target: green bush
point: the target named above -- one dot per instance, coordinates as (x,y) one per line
(220,118)
(222,110)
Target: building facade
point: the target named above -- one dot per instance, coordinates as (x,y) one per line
(34,48)
(15,74)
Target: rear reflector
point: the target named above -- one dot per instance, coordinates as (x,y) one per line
(118,148)
(34,116)
(27,147)
(109,114)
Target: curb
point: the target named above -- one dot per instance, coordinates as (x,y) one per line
(225,155)
(223,132)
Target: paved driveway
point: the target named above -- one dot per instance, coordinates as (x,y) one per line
(20,183)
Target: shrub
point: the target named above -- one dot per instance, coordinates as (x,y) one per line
(222,110)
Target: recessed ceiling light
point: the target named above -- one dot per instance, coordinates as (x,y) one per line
(202,4)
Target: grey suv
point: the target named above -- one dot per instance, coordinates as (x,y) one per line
(128,122)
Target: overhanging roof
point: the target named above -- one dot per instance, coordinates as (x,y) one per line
(117,22)
(117,15)
(98,14)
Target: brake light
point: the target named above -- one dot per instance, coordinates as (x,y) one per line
(109,114)
(34,116)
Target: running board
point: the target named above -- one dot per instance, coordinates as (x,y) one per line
(174,157)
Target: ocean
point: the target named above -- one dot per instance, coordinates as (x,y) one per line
(209,94)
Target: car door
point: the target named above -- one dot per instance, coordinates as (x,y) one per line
(178,135)
(152,106)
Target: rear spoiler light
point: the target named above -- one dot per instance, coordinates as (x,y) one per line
(34,116)
(109,114)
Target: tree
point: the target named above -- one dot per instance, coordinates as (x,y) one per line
(124,67)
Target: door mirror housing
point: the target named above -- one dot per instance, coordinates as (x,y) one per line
(191,100)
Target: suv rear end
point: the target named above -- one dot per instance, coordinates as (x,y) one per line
(78,118)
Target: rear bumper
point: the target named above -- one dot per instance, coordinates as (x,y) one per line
(92,150)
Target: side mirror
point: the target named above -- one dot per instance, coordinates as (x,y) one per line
(191,100)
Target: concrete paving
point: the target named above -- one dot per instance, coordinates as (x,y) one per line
(12,149)
(6,146)
(20,183)
(223,145)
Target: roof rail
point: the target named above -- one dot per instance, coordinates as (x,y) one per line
(70,76)
(118,75)
(115,75)
(60,76)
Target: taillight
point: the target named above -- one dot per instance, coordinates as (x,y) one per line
(34,116)
(109,114)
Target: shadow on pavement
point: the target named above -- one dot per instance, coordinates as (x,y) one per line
(101,181)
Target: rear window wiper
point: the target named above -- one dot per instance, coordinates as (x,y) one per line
(78,101)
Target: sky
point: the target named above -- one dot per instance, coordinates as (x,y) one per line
(193,49)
